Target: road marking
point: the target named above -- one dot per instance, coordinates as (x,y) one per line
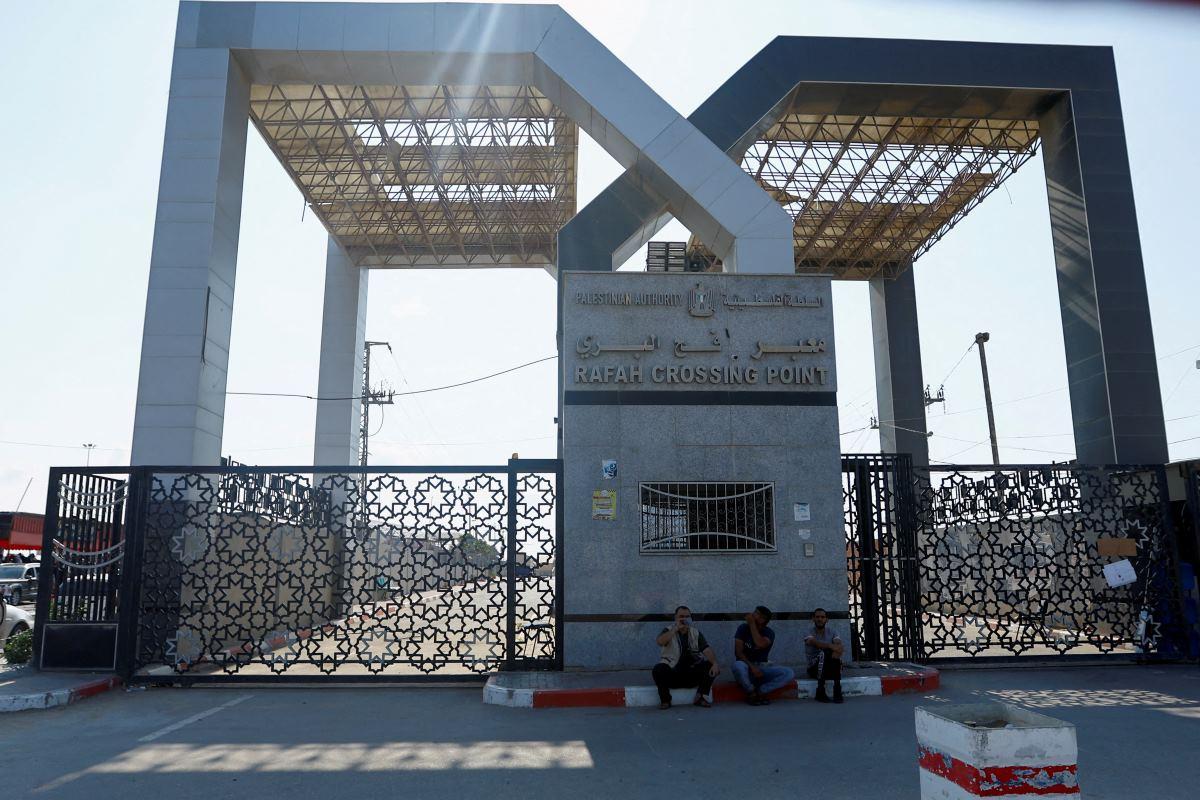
(150,737)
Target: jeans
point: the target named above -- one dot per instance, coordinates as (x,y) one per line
(772,677)
(681,677)
(826,667)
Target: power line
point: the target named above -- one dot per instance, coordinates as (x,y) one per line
(1179,441)
(61,446)
(942,382)
(400,394)
(957,439)
(1178,383)
(1179,352)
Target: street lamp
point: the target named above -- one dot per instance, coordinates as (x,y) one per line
(89,447)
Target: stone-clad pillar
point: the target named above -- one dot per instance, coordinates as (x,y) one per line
(343,331)
(185,339)
(899,384)
(1116,404)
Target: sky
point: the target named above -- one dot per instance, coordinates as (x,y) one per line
(83,110)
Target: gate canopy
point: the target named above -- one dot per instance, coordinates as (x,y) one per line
(425,175)
(868,192)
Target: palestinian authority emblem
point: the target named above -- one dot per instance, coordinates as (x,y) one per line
(700,304)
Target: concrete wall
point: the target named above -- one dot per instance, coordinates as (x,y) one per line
(761,431)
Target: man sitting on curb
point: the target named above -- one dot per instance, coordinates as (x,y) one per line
(823,649)
(751,646)
(686,661)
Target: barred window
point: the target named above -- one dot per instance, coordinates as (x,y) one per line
(707,517)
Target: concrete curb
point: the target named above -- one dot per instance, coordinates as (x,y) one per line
(925,679)
(57,697)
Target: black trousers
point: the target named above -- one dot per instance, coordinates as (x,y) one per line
(827,668)
(681,677)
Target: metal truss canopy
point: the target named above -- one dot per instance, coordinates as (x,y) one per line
(869,194)
(427,175)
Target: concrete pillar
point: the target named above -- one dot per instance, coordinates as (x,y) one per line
(899,384)
(185,339)
(1116,404)
(343,331)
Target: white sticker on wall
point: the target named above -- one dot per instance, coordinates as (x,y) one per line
(801,512)
(805,533)
(608,468)
(810,550)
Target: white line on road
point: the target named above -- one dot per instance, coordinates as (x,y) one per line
(150,737)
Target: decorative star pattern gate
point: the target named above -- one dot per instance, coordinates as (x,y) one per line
(402,574)
(1009,561)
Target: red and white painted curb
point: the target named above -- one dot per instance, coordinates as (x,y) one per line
(1021,755)
(495,693)
(57,697)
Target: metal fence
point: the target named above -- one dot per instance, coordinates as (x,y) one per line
(247,573)
(983,561)
(79,586)
(881,561)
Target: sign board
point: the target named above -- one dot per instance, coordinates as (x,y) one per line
(604,505)
(697,333)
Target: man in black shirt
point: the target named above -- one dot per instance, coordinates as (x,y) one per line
(686,660)
(752,644)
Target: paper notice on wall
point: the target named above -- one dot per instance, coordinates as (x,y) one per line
(1119,573)
(604,505)
(608,469)
(801,512)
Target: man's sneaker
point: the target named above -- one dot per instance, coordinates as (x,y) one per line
(821,697)
(837,693)
(664,705)
(753,698)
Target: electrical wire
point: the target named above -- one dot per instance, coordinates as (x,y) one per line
(956,364)
(400,394)
(1178,383)
(60,446)
(957,439)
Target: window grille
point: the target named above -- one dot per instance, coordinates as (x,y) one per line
(707,517)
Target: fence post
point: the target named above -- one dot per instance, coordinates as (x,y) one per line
(1174,598)
(908,538)
(510,573)
(131,566)
(868,573)
(559,566)
(46,568)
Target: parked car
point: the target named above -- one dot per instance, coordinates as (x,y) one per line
(18,582)
(13,620)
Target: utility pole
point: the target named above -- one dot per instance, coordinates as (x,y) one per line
(981,339)
(381,396)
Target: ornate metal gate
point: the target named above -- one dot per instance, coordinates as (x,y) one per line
(78,585)
(1008,561)
(413,573)
(881,555)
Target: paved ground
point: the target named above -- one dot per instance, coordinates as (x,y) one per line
(1139,733)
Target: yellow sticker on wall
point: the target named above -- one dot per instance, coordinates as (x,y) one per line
(604,504)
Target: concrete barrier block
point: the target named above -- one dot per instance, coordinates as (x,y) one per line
(994,750)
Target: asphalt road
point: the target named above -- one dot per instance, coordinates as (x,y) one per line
(1139,733)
